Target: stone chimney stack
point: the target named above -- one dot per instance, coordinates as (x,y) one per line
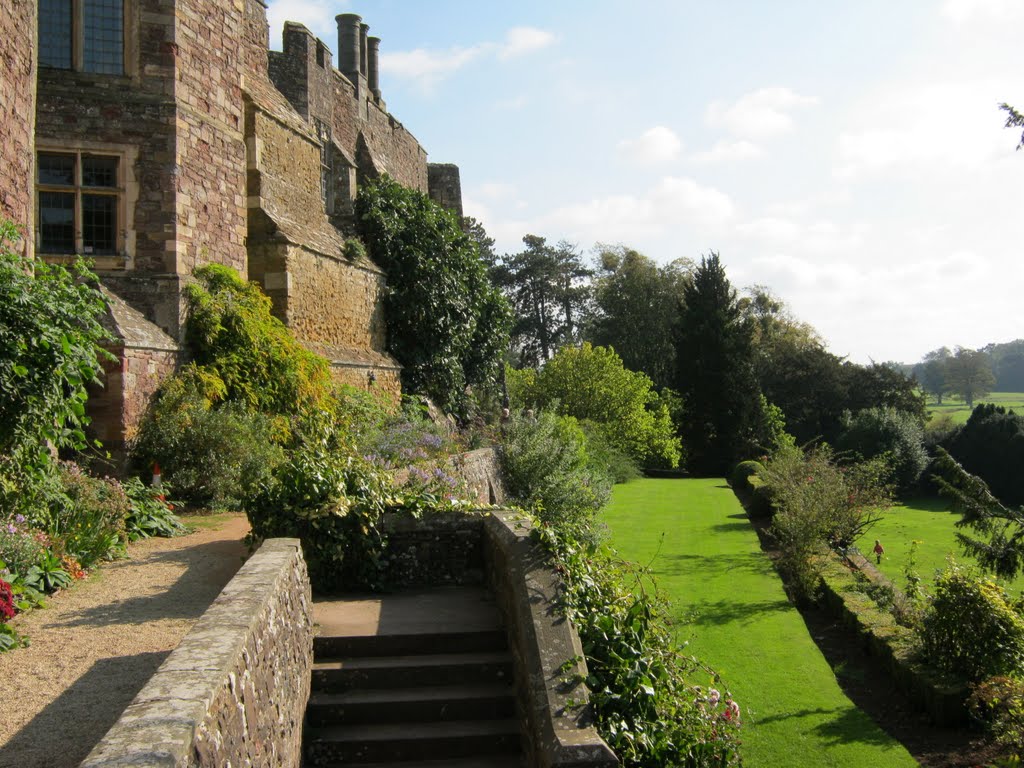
(373,66)
(350,47)
(364,30)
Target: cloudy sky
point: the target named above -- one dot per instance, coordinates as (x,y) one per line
(849,155)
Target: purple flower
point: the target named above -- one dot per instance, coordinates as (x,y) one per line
(19,518)
(11,528)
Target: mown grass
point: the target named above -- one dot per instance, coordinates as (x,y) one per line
(729,603)
(959,412)
(928,521)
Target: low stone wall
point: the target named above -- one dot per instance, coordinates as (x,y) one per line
(436,550)
(942,696)
(235,691)
(549,657)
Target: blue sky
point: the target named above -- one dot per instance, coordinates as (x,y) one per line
(849,155)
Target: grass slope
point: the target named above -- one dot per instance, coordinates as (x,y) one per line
(958,410)
(729,603)
(929,521)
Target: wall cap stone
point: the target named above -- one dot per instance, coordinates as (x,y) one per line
(550,661)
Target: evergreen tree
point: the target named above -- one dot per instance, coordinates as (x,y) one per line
(715,372)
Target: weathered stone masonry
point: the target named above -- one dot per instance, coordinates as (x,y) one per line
(17,99)
(227,153)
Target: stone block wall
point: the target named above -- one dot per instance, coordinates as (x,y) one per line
(235,691)
(446,186)
(17,117)
(210,203)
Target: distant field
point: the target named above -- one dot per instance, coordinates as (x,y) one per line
(930,522)
(960,412)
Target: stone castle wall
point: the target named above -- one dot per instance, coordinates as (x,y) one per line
(18,100)
(210,201)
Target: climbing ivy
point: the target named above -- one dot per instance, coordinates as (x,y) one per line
(447,324)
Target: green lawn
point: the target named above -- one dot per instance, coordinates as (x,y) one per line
(930,522)
(960,412)
(730,605)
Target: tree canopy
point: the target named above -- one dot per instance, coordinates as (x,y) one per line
(636,307)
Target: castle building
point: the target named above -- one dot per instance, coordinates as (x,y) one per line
(155,136)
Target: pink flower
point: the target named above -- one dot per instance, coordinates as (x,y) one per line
(713,697)
(732,711)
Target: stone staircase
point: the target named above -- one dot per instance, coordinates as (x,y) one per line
(432,687)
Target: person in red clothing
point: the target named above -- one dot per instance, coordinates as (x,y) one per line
(879,551)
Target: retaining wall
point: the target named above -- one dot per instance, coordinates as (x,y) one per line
(234,692)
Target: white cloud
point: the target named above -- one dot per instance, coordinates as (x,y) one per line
(727,151)
(764,112)
(672,203)
(925,128)
(427,67)
(523,40)
(655,146)
(961,11)
(314,14)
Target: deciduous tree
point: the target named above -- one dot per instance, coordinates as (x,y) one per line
(636,307)
(969,373)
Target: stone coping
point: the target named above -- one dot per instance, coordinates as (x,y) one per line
(550,665)
(235,690)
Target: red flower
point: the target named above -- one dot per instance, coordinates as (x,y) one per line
(6,601)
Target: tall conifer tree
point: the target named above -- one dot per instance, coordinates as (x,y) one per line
(715,372)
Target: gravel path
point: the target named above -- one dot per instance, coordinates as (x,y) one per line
(98,643)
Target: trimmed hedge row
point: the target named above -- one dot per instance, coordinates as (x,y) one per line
(943,696)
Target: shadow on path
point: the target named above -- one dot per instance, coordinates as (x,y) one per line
(64,732)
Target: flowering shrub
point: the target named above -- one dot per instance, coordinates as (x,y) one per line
(646,704)
(87,520)
(20,548)
(998,703)
(6,601)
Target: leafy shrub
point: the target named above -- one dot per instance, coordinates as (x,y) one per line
(50,333)
(645,702)
(19,546)
(739,479)
(210,453)
(590,383)
(897,435)
(149,515)
(405,438)
(87,521)
(819,505)
(991,446)
(998,703)
(332,500)
(972,628)
(447,324)
(547,468)
(48,575)
(231,331)
(620,465)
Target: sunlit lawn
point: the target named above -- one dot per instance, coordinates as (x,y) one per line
(928,521)
(960,412)
(711,566)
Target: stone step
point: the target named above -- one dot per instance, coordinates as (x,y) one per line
(336,676)
(341,646)
(483,761)
(381,743)
(391,705)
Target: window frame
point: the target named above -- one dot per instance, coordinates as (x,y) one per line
(77,56)
(120,258)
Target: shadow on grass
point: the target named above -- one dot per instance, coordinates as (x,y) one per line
(711,565)
(848,725)
(720,612)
